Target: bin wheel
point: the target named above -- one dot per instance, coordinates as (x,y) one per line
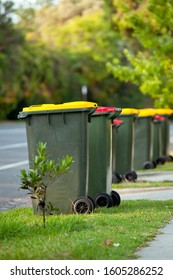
(90,198)
(82,205)
(135,174)
(116,198)
(103,200)
(154,162)
(161,160)
(131,176)
(116,178)
(92,202)
(148,165)
(169,158)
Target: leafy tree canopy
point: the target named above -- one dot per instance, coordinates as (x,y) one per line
(149,24)
(83,34)
(56,47)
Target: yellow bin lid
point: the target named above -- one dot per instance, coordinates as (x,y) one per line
(129,111)
(63,106)
(146,112)
(164,111)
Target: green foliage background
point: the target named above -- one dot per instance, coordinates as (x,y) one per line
(120,49)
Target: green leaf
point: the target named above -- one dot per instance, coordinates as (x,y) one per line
(24,187)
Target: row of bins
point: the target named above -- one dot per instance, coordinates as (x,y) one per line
(107,144)
(140,140)
(84,131)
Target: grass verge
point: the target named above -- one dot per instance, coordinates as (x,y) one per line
(142,184)
(109,233)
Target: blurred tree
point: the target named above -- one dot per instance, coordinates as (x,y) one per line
(147,25)
(85,38)
(55,48)
(10,68)
(28,71)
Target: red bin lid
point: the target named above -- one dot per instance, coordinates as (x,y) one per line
(117,122)
(159,118)
(104,109)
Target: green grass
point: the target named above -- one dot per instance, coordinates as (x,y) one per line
(109,233)
(114,233)
(142,184)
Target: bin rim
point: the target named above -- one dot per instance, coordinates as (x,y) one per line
(129,111)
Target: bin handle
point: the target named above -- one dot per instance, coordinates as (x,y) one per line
(92,110)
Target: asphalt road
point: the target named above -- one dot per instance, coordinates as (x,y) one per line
(13,157)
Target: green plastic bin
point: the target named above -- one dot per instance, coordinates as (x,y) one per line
(100,155)
(165,129)
(116,177)
(125,145)
(157,140)
(64,128)
(143,140)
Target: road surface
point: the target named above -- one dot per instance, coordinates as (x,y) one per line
(13,157)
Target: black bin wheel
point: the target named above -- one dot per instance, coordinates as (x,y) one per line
(116,198)
(154,162)
(148,165)
(82,205)
(131,176)
(116,178)
(90,199)
(103,200)
(135,175)
(169,158)
(161,160)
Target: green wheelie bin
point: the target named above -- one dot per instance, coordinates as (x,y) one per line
(125,145)
(64,129)
(157,140)
(165,130)
(116,177)
(100,157)
(143,140)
